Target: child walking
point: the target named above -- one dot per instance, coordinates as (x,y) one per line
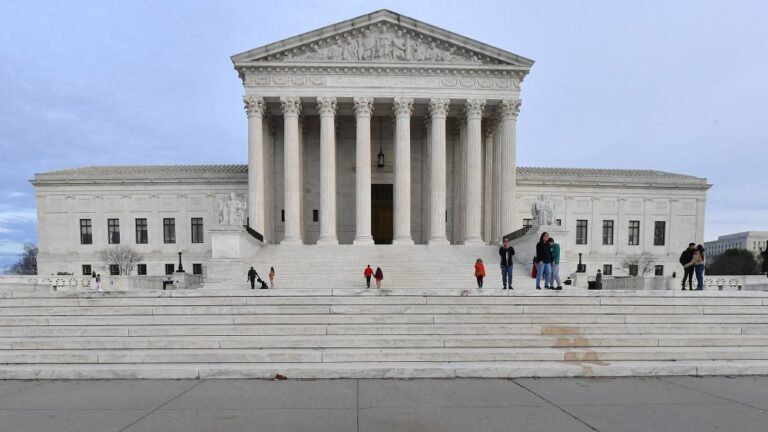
(479,272)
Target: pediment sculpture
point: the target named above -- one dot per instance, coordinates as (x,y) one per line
(231,211)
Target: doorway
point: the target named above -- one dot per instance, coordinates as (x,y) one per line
(381,213)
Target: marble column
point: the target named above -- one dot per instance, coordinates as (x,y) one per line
(488,133)
(496,186)
(474,173)
(326,106)
(438,110)
(403,107)
(508,111)
(363,111)
(291,108)
(254,107)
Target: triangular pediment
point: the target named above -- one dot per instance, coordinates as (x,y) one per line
(382,37)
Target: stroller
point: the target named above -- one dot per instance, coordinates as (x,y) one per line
(263,284)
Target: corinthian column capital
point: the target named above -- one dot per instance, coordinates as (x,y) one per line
(509,108)
(403,106)
(473,108)
(291,105)
(363,106)
(326,106)
(438,107)
(254,105)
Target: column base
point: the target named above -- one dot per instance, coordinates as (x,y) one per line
(363,241)
(473,242)
(438,241)
(403,241)
(291,241)
(330,241)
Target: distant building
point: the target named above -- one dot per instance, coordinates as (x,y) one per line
(753,241)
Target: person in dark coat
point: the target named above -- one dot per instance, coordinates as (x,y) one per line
(685,258)
(379,275)
(764,254)
(543,261)
(506,252)
(252,276)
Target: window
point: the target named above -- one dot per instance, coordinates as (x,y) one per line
(87,270)
(527,223)
(141,269)
(282,215)
(608,269)
(633,269)
(314,216)
(634,233)
(113,231)
(581,232)
(86,231)
(197,230)
(142,236)
(197,269)
(659,233)
(169,269)
(559,222)
(607,232)
(169,230)
(114,270)
(658,270)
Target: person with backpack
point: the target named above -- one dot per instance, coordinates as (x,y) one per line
(379,276)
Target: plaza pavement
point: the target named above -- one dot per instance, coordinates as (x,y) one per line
(677,404)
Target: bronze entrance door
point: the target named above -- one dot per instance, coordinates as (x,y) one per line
(381,213)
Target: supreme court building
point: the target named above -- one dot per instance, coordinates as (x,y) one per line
(374,131)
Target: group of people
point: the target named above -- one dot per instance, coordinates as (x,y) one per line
(547,263)
(378,275)
(693,261)
(254,277)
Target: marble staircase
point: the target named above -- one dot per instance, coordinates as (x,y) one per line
(398,333)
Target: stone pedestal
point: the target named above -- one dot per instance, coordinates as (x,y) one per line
(233,252)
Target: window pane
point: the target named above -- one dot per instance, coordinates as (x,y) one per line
(634,233)
(86,269)
(114,270)
(608,269)
(581,232)
(607,232)
(197,269)
(659,233)
(197,230)
(113,231)
(142,235)
(169,269)
(141,269)
(86,235)
(169,230)
(659,270)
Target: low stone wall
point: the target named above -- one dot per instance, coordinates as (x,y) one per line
(108,283)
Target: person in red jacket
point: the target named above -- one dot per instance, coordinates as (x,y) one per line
(479,272)
(367,273)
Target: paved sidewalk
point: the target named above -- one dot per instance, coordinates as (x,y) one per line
(464,405)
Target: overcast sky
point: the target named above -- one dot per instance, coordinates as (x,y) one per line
(679,86)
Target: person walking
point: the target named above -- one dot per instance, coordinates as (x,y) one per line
(685,258)
(252,276)
(271,277)
(367,273)
(506,252)
(543,261)
(479,272)
(379,275)
(599,280)
(98,282)
(555,248)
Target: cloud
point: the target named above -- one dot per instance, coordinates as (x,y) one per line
(17,194)
(10,220)
(10,247)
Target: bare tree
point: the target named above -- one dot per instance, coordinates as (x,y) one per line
(121,255)
(644,263)
(27,264)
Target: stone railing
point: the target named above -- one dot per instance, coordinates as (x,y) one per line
(108,283)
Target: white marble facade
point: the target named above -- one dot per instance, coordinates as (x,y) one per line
(320,107)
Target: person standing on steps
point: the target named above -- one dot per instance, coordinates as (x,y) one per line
(479,272)
(685,258)
(555,248)
(543,261)
(599,280)
(506,252)
(272,277)
(98,282)
(367,273)
(252,276)
(379,275)
(697,263)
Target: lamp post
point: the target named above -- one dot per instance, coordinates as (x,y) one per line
(581,268)
(180,269)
